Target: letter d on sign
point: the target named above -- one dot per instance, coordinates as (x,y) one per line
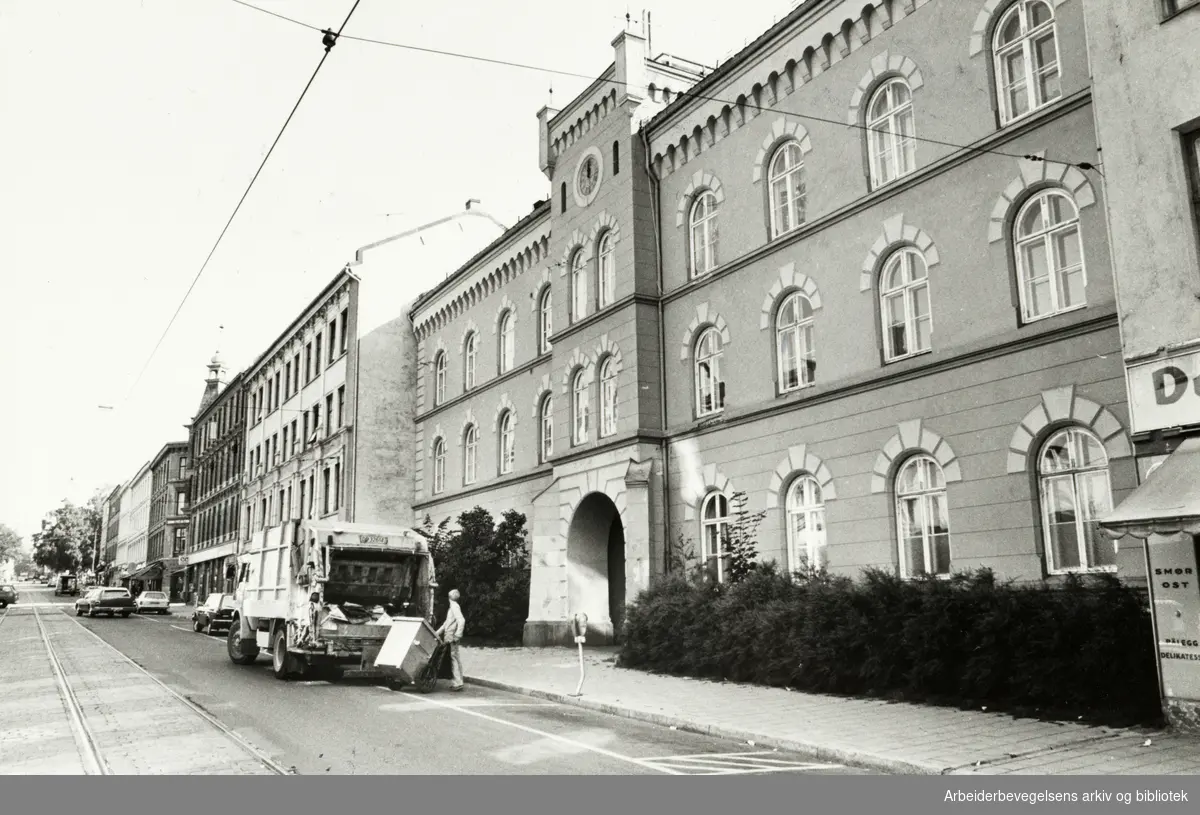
(1178,385)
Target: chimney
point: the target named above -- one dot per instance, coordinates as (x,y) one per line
(545,159)
(630,63)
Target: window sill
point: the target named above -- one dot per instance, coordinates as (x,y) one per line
(1026,320)
(1082,571)
(906,357)
(1016,120)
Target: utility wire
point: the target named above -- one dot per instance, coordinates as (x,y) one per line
(1083,165)
(329,40)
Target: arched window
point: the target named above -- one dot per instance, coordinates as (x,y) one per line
(469,354)
(787,189)
(470,449)
(710,387)
(579,407)
(545,321)
(922,518)
(702,228)
(546,428)
(904,305)
(805,524)
(439,378)
(890,131)
(608,398)
(714,530)
(1049,256)
(1026,51)
(1075,490)
(508,342)
(794,343)
(439,465)
(507,443)
(606,269)
(579,286)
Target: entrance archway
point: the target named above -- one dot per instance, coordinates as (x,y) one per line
(596,566)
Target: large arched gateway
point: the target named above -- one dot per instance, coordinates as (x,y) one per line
(596,566)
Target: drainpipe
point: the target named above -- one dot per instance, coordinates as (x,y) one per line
(662,348)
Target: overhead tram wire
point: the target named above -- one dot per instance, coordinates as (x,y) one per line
(1082,165)
(329,39)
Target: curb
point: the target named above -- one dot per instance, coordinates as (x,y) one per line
(852,758)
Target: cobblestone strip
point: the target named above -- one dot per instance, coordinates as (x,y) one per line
(139,725)
(35,728)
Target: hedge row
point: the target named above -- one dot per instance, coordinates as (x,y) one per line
(1081,651)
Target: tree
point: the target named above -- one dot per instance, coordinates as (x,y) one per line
(69,536)
(10,543)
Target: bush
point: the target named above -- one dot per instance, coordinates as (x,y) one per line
(1084,650)
(489,565)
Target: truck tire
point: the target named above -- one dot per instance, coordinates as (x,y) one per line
(240,652)
(125,614)
(281,660)
(196,626)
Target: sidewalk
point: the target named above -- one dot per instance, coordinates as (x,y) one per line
(884,736)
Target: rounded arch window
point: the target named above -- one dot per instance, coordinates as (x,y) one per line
(1028,76)
(904,305)
(439,378)
(608,397)
(806,524)
(891,132)
(703,233)
(470,454)
(794,351)
(508,341)
(545,320)
(507,442)
(714,529)
(922,518)
(710,387)
(579,285)
(606,269)
(546,427)
(579,407)
(469,355)
(787,189)
(1075,491)
(1049,255)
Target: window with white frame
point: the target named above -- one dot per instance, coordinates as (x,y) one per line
(606,269)
(439,378)
(797,362)
(1075,491)
(507,442)
(579,286)
(714,530)
(1026,50)
(891,132)
(1049,256)
(608,398)
(508,352)
(470,352)
(439,466)
(904,305)
(545,321)
(703,233)
(805,524)
(710,387)
(470,450)
(786,184)
(922,518)
(546,428)
(579,407)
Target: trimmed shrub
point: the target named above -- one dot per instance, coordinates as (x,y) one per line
(1084,650)
(489,565)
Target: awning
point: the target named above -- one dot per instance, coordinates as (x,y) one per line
(1167,503)
(161,566)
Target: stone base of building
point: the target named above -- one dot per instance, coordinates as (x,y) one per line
(1183,715)
(556,633)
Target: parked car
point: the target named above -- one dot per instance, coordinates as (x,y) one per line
(152,601)
(8,596)
(215,615)
(105,601)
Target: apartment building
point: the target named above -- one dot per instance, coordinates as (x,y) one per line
(112,532)
(1145,61)
(782,278)
(216,439)
(134,521)
(166,534)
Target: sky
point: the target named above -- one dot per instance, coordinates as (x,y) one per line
(132,127)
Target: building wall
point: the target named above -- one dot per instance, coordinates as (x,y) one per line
(1147,99)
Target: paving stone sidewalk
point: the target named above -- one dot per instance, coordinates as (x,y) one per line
(885,736)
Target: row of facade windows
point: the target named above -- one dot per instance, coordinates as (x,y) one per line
(1074,490)
(287,381)
(299,435)
(275,508)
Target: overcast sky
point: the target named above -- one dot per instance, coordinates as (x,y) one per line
(131,128)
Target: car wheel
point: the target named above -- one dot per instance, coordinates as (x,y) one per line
(125,615)
(196,626)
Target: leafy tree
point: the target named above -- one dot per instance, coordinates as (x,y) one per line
(10,543)
(69,536)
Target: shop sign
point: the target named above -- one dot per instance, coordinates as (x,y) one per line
(1173,583)
(1164,392)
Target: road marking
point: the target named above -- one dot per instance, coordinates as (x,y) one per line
(746,763)
(579,745)
(422,704)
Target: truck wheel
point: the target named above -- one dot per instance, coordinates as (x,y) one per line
(281,663)
(125,614)
(196,626)
(240,651)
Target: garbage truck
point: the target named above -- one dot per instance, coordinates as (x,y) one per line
(327,594)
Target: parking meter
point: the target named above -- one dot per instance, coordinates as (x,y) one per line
(579,627)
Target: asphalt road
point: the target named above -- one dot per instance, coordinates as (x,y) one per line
(359,727)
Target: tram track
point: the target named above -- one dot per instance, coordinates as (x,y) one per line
(90,747)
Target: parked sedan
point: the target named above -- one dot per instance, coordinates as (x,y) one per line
(151,602)
(215,615)
(8,595)
(109,601)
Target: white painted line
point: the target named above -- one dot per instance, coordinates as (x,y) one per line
(405,707)
(555,737)
(177,628)
(715,755)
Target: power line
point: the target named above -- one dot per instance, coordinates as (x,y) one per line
(328,40)
(1083,165)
